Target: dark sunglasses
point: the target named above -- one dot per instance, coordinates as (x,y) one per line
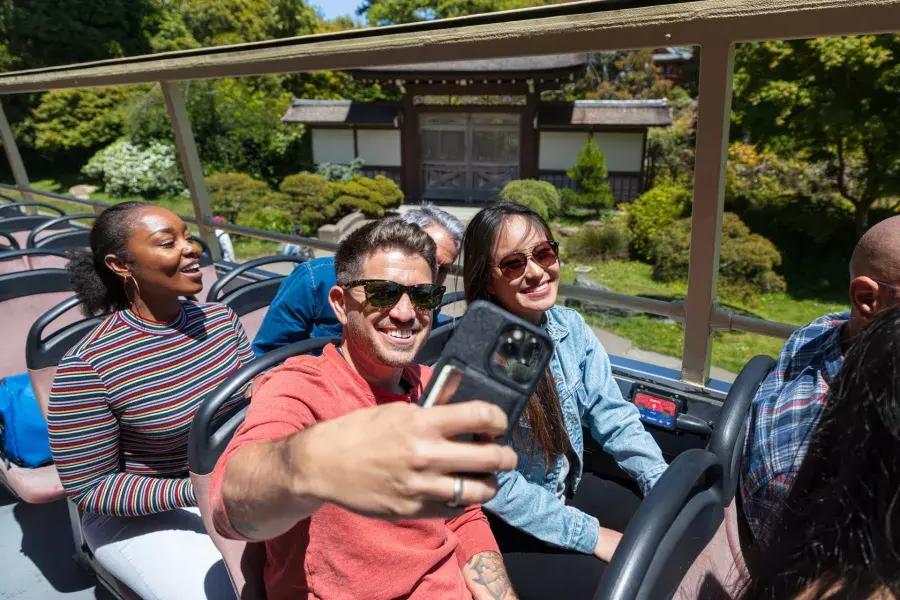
(382,293)
(545,254)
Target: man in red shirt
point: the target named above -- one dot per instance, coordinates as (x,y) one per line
(276,483)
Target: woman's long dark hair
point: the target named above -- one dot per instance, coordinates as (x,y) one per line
(98,288)
(543,413)
(839,532)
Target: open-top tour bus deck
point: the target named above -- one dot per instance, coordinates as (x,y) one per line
(685,411)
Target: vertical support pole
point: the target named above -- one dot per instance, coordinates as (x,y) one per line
(410,153)
(528,139)
(716,71)
(190,163)
(14,158)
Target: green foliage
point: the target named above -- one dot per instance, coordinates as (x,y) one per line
(81,119)
(626,75)
(670,150)
(606,241)
(53,32)
(236,122)
(127,169)
(315,201)
(762,178)
(232,195)
(540,196)
(388,12)
(830,100)
(267,217)
(654,210)
(591,179)
(747,260)
(338,172)
(371,196)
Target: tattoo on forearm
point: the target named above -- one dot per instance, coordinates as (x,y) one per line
(489,572)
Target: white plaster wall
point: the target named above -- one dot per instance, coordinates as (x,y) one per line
(559,149)
(379,147)
(332,145)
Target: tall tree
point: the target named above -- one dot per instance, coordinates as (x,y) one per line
(834,100)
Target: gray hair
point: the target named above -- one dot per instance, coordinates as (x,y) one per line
(428,215)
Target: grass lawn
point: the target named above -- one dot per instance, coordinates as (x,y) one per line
(731,350)
(245,248)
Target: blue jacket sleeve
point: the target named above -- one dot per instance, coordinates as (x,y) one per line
(292,314)
(614,422)
(535,510)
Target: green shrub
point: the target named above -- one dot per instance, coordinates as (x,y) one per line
(340,172)
(652,212)
(270,218)
(231,194)
(127,169)
(540,196)
(591,179)
(604,242)
(747,260)
(315,201)
(365,194)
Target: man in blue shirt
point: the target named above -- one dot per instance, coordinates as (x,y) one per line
(786,409)
(301,309)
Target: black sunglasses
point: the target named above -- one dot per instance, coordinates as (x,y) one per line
(382,293)
(545,254)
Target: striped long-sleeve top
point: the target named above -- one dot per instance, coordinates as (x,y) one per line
(123,400)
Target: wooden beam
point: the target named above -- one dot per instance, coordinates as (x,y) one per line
(682,23)
(20,175)
(190,163)
(713,118)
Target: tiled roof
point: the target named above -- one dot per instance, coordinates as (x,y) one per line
(341,112)
(612,113)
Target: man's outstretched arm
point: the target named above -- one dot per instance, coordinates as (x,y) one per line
(393,460)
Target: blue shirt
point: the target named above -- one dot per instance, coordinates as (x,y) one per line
(301,309)
(589,395)
(784,414)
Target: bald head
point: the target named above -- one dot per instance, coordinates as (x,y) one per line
(877,254)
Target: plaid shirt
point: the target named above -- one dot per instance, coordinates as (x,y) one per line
(784,413)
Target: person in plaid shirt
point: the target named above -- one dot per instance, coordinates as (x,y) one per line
(785,411)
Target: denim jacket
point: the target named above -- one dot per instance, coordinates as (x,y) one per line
(300,309)
(589,396)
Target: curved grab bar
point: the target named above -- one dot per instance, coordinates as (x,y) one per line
(30,243)
(213,294)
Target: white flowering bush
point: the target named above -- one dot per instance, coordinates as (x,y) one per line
(127,169)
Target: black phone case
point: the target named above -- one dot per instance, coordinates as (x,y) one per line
(470,349)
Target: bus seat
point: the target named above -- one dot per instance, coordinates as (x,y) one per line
(671,527)
(719,571)
(249,293)
(27,259)
(20,227)
(43,352)
(17,209)
(24,297)
(61,233)
(34,486)
(730,431)
(210,434)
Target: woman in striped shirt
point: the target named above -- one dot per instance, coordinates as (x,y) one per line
(124,397)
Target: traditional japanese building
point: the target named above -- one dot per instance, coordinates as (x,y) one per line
(462,130)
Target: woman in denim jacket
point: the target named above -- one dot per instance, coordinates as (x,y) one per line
(547,532)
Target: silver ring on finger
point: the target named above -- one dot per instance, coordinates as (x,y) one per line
(456,501)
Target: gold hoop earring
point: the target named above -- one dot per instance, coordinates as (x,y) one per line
(137,288)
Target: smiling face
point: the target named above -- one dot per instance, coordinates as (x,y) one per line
(532,293)
(164,259)
(386,338)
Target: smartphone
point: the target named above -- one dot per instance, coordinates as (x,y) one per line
(493,356)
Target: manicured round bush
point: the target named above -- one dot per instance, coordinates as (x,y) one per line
(231,194)
(540,196)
